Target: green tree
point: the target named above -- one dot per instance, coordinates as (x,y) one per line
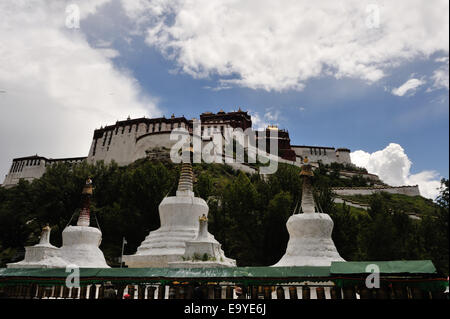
(276,235)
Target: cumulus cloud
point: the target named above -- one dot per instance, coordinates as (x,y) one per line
(393,167)
(270,117)
(56,88)
(409,86)
(440,76)
(279,45)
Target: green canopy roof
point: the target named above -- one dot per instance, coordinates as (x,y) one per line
(263,273)
(338,272)
(348,268)
(386,267)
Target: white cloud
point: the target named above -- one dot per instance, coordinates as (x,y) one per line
(279,45)
(409,86)
(57,88)
(258,123)
(393,167)
(109,53)
(440,76)
(270,117)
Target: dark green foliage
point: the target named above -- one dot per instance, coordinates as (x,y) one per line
(248,214)
(125,203)
(402,203)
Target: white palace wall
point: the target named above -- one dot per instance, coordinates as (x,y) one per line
(31,167)
(125,144)
(326,155)
(22,171)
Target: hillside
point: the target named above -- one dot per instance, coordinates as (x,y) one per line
(416,205)
(247,213)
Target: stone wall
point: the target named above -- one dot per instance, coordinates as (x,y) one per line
(326,155)
(348,174)
(404,190)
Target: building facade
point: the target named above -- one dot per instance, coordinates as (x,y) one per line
(31,167)
(129,140)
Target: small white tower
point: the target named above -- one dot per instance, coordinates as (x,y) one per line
(203,251)
(180,234)
(179,217)
(81,243)
(310,242)
(42,255)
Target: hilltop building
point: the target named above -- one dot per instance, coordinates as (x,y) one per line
(31,167)
(126,141)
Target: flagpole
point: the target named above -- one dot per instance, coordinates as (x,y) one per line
(121,256)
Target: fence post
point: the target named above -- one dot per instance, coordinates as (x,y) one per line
(293,292)
(280,292)
(92,291)
(161,291)
(141,291)
(320,292)
(306,292)
(151,292)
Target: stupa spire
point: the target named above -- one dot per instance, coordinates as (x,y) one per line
(203,228)
(45,236)
(186,178)
(308,204)
(85,214)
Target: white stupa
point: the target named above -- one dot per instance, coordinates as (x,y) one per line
(310,242)
(179,217)
(204,251)
(81,242)
(41,255)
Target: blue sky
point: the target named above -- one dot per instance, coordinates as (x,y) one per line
(330,112)
(322,72)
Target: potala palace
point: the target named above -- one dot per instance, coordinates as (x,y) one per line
(129,140)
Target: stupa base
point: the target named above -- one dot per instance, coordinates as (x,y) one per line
(202,264)
(80,247)
(310,242)
(151,261)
